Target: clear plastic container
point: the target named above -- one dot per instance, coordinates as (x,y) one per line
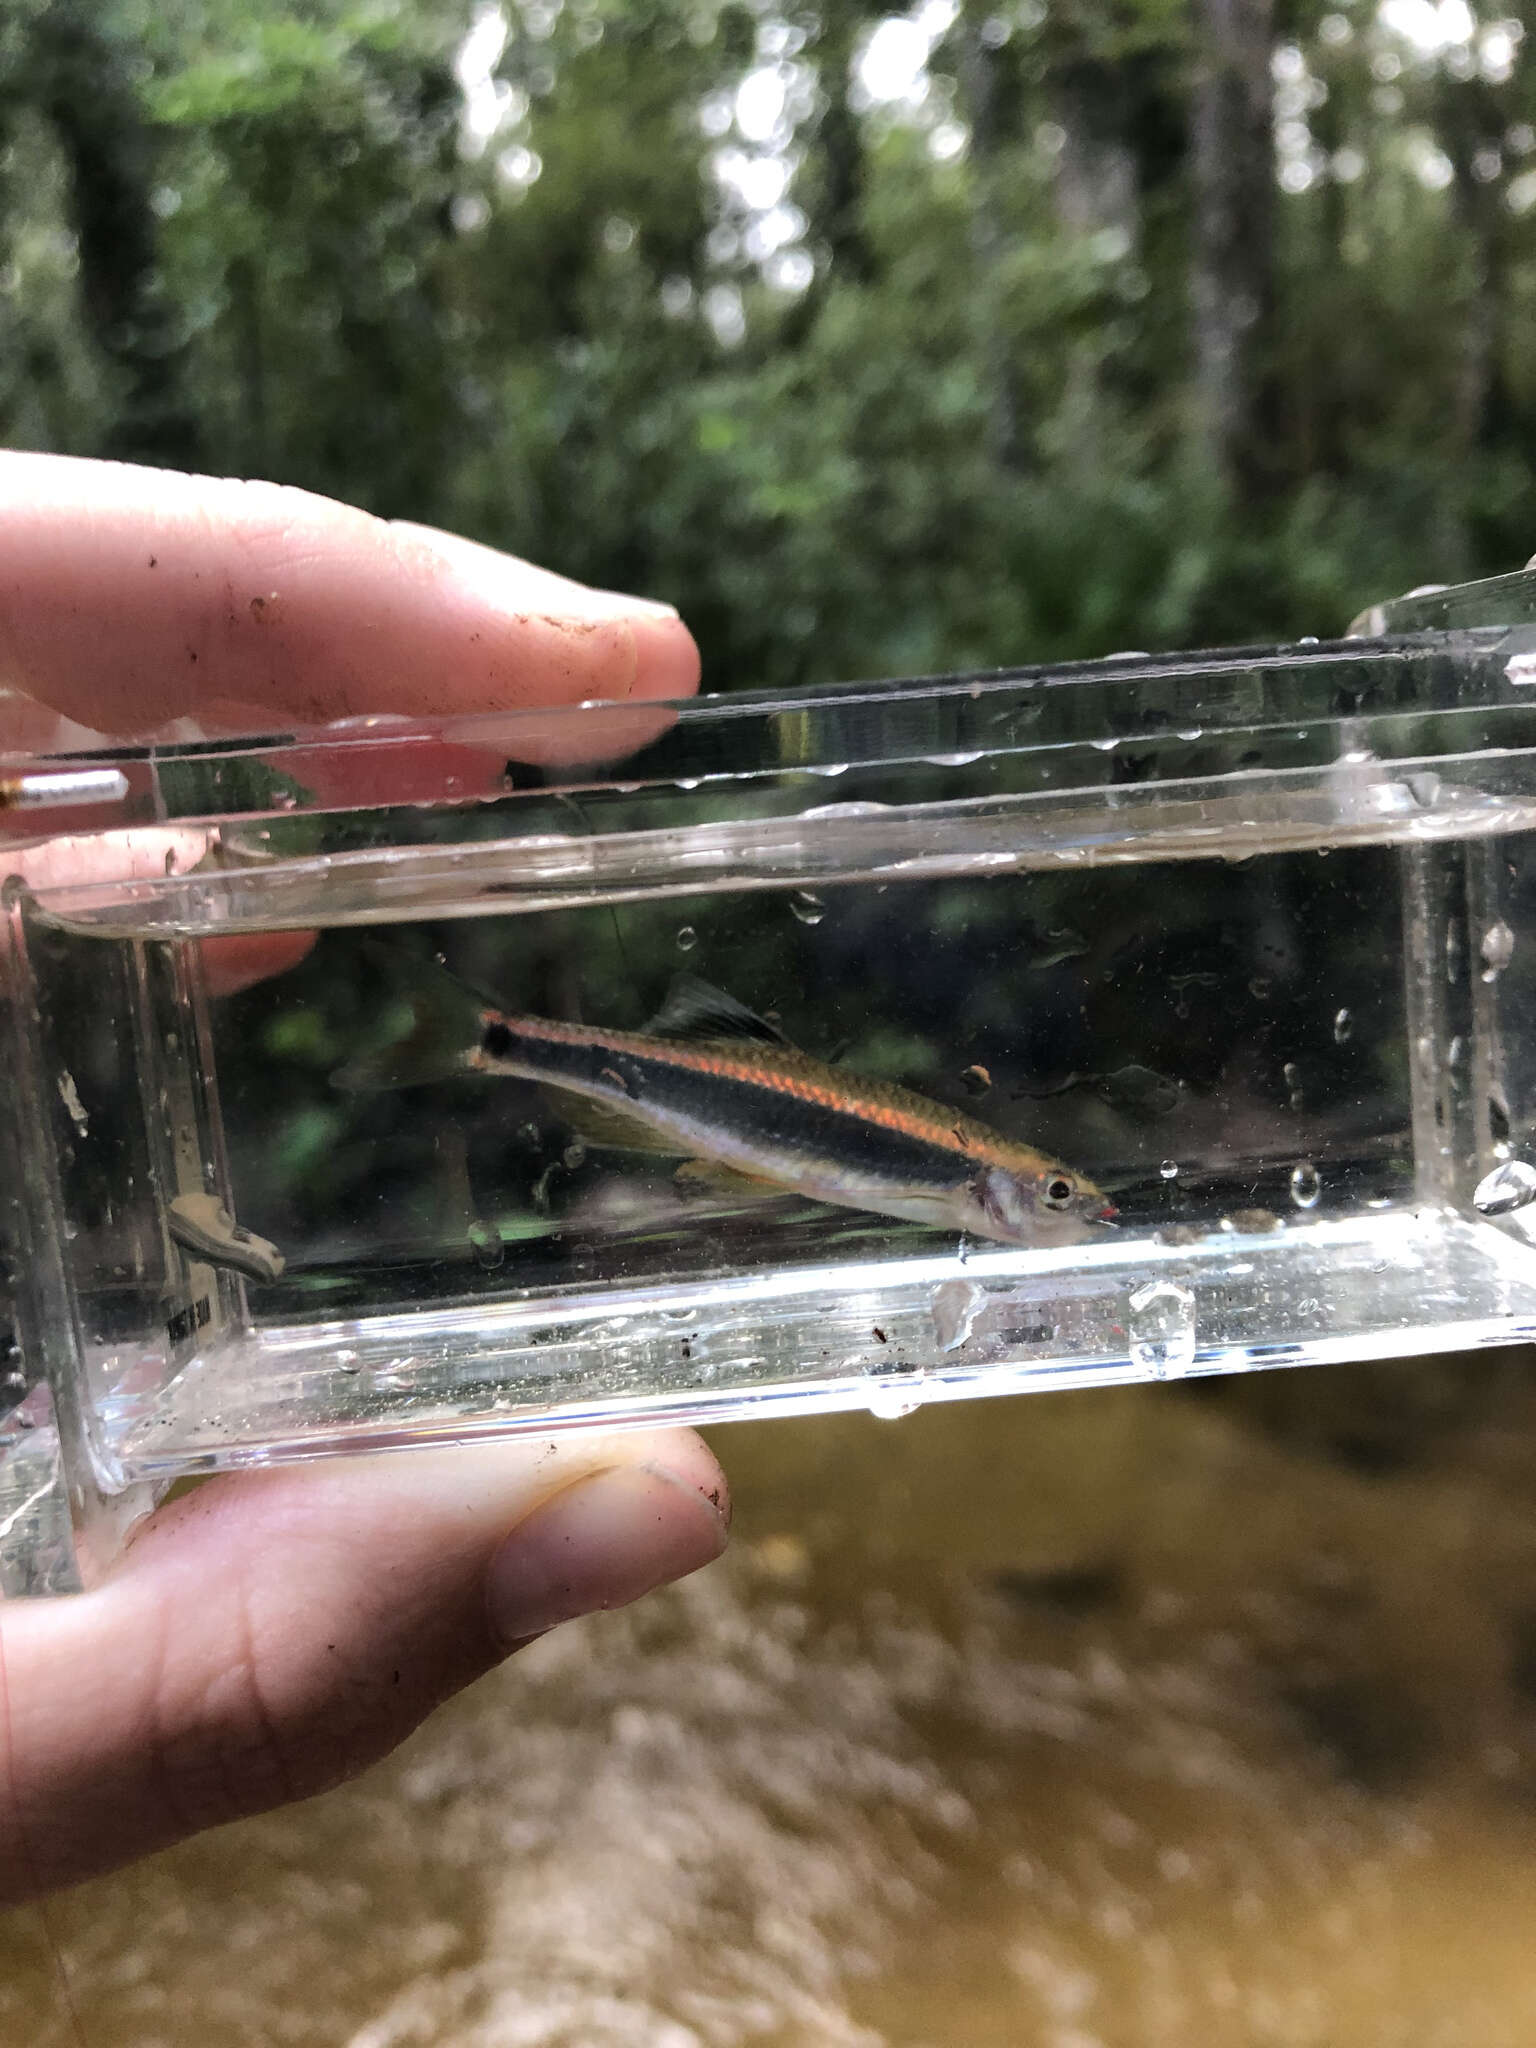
(681,1063)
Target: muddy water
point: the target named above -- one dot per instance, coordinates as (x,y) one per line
(1099,1721)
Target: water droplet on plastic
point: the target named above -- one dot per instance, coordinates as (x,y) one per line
(1306,1185)
(954,1308)
(1343,1027)
(1424,788)
(1104,746)
(807,907)
(1163,1329)
(976,1080)
(1169,1169)
(1498,950)
(170,861)
(485,1242)
(1307,640)
(574,1155)
(1510,1186)
(687,938)
(891,1398)
(1455,1052)
(1292,1076)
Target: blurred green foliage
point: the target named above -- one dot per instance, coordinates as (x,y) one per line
(874,342)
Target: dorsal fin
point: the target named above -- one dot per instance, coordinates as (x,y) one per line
(695,1009)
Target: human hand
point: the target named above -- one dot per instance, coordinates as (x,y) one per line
(273,1632)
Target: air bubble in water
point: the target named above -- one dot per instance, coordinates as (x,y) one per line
(1169,1169)
(1498,949)
(1163,1329)
(807,906)
(976,1080)
(1306,1185)
(687,938)
(1510,1186)
(1343,1027)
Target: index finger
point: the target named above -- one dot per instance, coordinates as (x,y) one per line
(130,598)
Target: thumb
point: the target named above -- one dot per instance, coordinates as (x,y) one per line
(271,1633)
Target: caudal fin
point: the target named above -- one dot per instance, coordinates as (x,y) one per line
(428,1026)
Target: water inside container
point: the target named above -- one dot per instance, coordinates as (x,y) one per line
(1291,1073)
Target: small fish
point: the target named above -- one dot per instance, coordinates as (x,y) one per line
(709,1081)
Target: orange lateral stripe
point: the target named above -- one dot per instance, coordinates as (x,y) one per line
(931,1128)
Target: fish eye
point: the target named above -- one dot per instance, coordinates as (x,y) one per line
(1059,1190)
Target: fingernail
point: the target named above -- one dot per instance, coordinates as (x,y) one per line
(601,1542)
(666,656)
(508,582)
(649,607)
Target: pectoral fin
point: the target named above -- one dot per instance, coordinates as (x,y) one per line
(607,1126)
(698,1175)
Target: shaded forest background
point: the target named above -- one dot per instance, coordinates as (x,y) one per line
(876,342)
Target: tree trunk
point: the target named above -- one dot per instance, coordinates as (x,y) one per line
(979,83)
(1232,280)
(95,112)
(837,166)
